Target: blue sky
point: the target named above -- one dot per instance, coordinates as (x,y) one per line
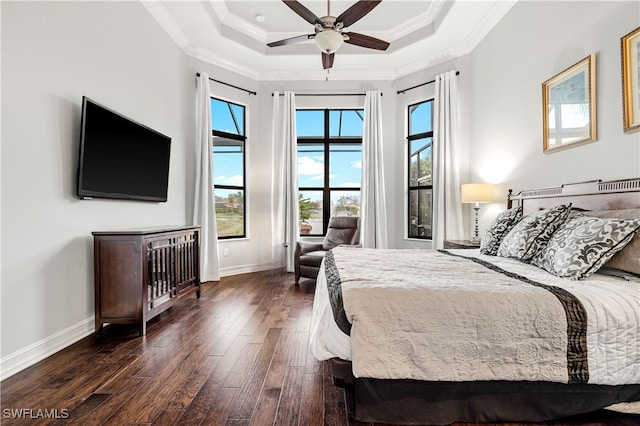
(346,165)
(345,161)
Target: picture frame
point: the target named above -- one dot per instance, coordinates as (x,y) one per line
(569,106)
(630,50)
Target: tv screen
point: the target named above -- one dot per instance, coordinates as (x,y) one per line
(120,158)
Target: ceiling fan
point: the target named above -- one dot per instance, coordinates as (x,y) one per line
(329,35)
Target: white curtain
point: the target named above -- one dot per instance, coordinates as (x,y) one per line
(284,199)
(373,216)
(204,212)
(447,210)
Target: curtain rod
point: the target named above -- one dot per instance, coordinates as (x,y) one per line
(419,85)
(230,85)
(328,94)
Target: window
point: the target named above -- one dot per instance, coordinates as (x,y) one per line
(329,166)
(228,122)
(420,183)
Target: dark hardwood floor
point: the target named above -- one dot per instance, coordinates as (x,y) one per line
(238,356)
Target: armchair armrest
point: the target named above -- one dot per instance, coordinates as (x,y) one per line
(303,247)
(307,247)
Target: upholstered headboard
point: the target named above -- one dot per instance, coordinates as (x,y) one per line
(617,198)
(592,195)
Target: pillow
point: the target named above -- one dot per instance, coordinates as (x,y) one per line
(500,226)
(337,236)
(627,259)
(584,244)
(532,233)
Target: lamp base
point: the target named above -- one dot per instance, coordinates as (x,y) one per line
(476,235)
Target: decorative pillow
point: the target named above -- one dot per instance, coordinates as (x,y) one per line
(627,259)
(500,226)
(532,233)
(584,244)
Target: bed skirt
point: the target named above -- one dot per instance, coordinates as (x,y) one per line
(413,402)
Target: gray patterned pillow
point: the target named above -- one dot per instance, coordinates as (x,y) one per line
(584,244)
(532,233)
(500,226)
(627,259)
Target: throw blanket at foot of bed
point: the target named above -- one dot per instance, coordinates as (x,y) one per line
(434,316)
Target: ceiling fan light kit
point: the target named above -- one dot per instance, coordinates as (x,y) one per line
(329,41)
(328,29)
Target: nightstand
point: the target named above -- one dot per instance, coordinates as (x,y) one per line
(461,244)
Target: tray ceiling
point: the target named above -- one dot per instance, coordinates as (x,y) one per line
(422,34)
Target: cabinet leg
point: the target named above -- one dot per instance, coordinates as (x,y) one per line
(198,293)
(99,330)
(142,328)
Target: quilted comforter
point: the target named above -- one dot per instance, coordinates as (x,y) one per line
(461,316)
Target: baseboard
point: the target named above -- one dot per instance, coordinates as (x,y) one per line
(247,269)
(18,361)
(26,357)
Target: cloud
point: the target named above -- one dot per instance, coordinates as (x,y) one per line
(356,164)
(310,166)
(350,185)
(235,180)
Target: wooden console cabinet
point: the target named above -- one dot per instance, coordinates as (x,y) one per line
(141,272)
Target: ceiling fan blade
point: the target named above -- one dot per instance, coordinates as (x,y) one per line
(357,11)
(291,40)
(327,60)
(302,11)
(365,41)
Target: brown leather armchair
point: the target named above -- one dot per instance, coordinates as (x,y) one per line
(309,255)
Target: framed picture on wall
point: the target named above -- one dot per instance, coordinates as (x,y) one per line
(630,46)
(569,106)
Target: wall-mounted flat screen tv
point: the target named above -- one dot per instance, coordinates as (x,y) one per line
(120,158)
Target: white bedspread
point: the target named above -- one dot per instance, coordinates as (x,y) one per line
(420,314)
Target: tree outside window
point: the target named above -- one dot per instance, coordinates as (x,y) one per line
(420,183)
(329,166)
(228,122)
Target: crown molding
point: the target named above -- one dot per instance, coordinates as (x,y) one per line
(234,23)
(334,75)
(166,21)
(497,11)
(436,11)
(212,58)
(243,57)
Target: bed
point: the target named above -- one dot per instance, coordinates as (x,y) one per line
(501,333)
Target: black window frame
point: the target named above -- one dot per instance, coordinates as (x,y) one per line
(326,141)
(221,138)
(420,187)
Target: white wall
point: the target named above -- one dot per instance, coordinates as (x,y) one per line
(389,128)
(260,250)
(252,253)
(399,201)
(114,52)
(532,43)
(53,53)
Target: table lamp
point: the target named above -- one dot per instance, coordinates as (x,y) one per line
(476,193)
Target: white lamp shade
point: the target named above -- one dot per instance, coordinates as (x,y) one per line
(476,193)
(329,41)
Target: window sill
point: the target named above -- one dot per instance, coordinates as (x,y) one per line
(230,240)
